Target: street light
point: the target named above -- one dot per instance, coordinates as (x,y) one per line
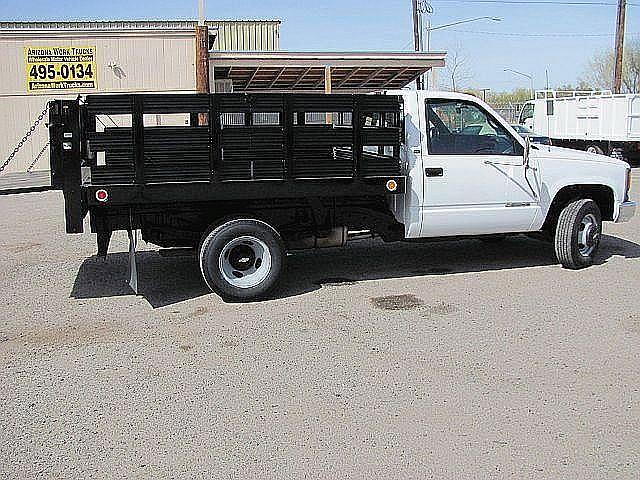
(430,29)
(530,77)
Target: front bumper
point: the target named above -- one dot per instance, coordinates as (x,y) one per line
(626,211)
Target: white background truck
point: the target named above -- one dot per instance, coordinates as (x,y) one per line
(251,177)
(597,122)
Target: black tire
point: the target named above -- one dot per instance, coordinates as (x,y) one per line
(571,251)
(252,236)
(594,149)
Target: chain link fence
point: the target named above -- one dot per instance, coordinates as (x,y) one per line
(509,111)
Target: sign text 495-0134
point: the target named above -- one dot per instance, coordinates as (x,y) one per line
(60,68)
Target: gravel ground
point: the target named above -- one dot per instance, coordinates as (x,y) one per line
(449,360)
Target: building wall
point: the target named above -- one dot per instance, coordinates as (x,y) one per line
(247,35)
(130,57)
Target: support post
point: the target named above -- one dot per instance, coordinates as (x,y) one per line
(202,59)
(327,90)
(416,38)
(133,270)
(617,76)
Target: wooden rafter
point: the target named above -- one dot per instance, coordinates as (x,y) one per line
(370,77)
(253,75)
(301,77)
(348,77)
(275,80)
(395,76)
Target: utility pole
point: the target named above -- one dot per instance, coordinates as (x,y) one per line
(202,52)
(617,76)
(416,38)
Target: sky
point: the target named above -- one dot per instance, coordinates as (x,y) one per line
(533,36)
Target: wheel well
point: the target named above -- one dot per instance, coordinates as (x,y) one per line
(601,194)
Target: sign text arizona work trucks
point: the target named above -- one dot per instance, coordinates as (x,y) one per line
(245,178)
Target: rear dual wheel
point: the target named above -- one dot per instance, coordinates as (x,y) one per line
(241,259)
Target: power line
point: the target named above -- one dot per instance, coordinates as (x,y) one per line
(570,35)
(540,2)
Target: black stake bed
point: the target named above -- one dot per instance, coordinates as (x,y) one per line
(140,150)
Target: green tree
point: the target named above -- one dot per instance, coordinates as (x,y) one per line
(599,71)
(517,95)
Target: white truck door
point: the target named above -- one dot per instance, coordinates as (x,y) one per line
(474,173)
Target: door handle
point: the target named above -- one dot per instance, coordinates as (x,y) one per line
(434,172)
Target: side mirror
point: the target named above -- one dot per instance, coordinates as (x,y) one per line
(527,149)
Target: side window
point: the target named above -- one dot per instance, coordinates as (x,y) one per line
(527,112)
(462,128)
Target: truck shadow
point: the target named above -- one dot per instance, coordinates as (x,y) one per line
(168,280)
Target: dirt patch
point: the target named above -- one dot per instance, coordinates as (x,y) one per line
(411,302)
(199,311)
(21,247)
(632,323)
(397,302)
(230,342)
(65,336)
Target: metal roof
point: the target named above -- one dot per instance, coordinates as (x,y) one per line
(295,71)
(263,35)
(120,24)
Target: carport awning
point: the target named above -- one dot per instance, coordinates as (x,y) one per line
(346,71)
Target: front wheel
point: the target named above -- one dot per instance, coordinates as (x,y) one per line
(595,149)
(578,233)
(241,259)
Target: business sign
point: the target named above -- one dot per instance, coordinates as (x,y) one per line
(60,68)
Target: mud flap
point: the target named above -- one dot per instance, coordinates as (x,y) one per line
(133,270)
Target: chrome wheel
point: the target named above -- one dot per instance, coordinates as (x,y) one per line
(595,149)
(588,235)
(245,262)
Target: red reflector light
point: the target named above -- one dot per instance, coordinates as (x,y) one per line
(102,195)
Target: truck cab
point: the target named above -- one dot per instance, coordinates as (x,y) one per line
(487,179)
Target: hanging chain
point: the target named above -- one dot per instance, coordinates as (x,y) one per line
(25,138)
(37,157)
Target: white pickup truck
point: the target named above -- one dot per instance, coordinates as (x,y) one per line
(406,165)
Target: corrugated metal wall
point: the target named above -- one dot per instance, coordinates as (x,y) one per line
(247,35)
